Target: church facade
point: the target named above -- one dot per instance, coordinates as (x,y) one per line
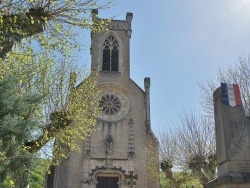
(113,156)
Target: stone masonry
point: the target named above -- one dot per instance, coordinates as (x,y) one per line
(232,129)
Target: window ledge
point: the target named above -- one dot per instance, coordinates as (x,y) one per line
(110,72)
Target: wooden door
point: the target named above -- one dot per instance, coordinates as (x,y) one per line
(107,182)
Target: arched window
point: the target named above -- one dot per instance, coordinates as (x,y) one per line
(110,54)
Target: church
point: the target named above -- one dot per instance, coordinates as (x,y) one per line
(113,154)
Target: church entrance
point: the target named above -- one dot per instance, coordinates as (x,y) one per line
(107,182)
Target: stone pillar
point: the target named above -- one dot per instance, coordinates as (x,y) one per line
(232,129)
(147,100)
(129,17)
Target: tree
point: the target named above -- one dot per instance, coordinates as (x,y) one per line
(37,178)
(38,45)
(183,180)
(17,124)
(59,114)
(188,146)
(20,19)
(238,73)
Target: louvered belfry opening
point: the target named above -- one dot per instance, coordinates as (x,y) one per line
(110,54)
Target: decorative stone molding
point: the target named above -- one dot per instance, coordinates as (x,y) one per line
(131,147)
(109,145)
(238,140)
(87,147)
(147,101)
(118,94)
(88,181)
(118,26)
(240,180)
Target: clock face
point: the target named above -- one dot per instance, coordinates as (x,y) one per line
(114,104)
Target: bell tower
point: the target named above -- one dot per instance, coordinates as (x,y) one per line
(110,48)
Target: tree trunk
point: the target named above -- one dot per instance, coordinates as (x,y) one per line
(17,27)
(22,176)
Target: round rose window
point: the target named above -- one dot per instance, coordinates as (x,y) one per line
(110,104)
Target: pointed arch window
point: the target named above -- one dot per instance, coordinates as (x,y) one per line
(110,54)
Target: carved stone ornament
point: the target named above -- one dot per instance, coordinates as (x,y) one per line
(88,181)
(131,147)
(238,140)
(110,104)
(104,168)
(118,26)
(109,145)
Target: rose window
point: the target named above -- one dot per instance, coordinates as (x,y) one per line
(110,104)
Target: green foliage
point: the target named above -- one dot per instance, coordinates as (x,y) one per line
(7,183)
(48,106)
(189,146)
(38,171)
(54,25)
(182,180)
(163,181)
(64,99)
(150,155)
(17,123)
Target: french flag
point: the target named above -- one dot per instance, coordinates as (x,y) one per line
(230,94)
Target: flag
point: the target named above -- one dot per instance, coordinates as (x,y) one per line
(230,94)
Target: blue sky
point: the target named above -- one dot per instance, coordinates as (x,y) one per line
(178,43)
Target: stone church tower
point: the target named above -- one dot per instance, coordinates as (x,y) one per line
(114,153)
